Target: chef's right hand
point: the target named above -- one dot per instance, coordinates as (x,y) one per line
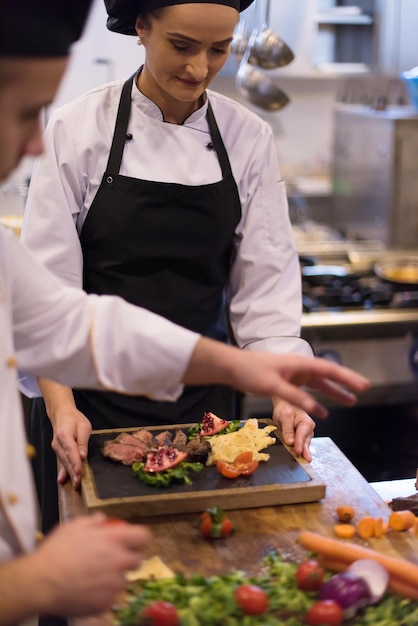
(80,567)
(72,431)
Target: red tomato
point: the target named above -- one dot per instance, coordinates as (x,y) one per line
(243,465)
(309,575)
(160,613)
(215,524)
(229,470)
(325,613)
(252,599)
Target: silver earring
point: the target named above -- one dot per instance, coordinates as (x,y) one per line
(139,42)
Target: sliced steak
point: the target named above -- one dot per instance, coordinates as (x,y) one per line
(197,450)
(164,438)
(123,452)
(180,439)
(126,448)
(145,436)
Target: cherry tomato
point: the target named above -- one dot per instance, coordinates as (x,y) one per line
(325,613)
(252,599)
(243,465)
(229,470)
(215,524)
(309,575)
(160,613)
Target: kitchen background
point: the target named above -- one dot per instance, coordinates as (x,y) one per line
(346,105)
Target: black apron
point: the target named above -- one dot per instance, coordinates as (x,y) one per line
(168,248)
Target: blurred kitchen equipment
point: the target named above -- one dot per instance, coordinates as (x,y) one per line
(354,317)
(402,274)
(269,50)
(411,79)
(374,174)
(242,32)
(259,89)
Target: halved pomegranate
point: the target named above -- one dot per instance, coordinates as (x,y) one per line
(163,459)
(212,424)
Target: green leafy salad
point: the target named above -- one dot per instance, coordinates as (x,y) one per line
(178,474)
(210,601)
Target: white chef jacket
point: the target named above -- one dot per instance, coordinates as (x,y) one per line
(59,332)
(264,289)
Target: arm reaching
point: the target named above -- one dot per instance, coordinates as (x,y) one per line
(282,375)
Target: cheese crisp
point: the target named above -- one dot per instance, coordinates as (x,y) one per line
(249,438)
(151,569)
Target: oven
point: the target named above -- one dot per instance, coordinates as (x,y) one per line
(354,317)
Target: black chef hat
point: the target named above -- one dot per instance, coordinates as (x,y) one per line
(123,13)
(41,28)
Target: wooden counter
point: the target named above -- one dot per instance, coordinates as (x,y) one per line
(178,542)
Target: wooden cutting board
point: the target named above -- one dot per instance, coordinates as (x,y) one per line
(114,489)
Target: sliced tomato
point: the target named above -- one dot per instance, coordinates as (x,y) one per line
(229,470)
(243,465)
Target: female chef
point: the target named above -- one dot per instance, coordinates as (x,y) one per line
(168,194)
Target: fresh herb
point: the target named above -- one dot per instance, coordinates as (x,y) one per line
(231,428)
(202,601)
(178,474)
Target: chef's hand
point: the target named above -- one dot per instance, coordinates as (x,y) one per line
(70,443)
(296,426)
(71,430)
(79,569)
(268,374)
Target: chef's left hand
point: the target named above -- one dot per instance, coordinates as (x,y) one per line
(296,426)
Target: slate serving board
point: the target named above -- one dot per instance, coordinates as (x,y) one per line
(113,488)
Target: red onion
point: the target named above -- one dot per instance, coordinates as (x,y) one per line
(349,591)
(374,574)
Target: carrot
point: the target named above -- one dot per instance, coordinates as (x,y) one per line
(344,531)
(380,527)
(349,552)
(402,588)
(345,513)
(401,520)
(366,527)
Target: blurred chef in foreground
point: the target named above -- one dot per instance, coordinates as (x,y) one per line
(99,342)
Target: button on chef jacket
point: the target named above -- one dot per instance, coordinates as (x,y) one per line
(58,332)
(263,292)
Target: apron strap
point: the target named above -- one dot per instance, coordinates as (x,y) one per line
(218,143)
(121,126)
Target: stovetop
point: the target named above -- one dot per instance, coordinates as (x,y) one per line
(340,284)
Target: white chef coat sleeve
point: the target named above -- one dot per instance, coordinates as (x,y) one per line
(56,193)
(89,341)
(264,293)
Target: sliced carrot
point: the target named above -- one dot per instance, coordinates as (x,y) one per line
(401,520)
(366,527)
(345,513)
(347,551)
(380,527)
(344,531)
